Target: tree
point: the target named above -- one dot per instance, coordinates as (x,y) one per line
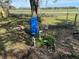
(35,4)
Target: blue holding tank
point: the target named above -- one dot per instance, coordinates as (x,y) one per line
(33,25)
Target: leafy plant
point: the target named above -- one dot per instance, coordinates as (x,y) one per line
(48,41)
(39,42)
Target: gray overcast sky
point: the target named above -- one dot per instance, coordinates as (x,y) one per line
(59,3)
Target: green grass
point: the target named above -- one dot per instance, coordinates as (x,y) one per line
(56,15)
(49,11)
(60,18)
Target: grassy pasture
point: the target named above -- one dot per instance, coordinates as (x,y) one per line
(56,19)
(52,16)
(46,11)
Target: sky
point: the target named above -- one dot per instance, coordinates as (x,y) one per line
(50,3)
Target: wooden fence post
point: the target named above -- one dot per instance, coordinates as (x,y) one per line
(75,21)
(67,14)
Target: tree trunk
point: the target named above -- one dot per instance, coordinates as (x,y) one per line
(34,7)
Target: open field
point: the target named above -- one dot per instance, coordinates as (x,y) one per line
(52,16)
(28,11)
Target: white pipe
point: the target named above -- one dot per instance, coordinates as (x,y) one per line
(34,41)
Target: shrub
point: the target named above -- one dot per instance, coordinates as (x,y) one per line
(48,41)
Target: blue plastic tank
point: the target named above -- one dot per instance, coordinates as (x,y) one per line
(33,25)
